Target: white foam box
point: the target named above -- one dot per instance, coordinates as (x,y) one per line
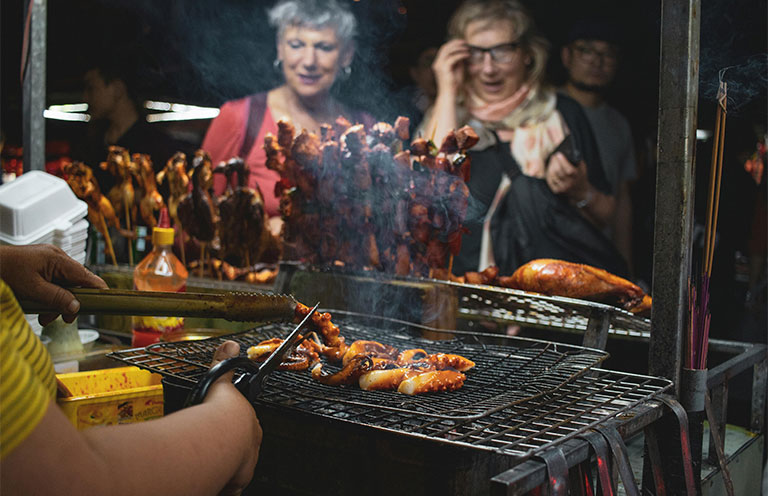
(34,206)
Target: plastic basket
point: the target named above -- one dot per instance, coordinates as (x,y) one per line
(121,395)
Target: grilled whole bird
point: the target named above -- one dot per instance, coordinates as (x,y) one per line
(559,278)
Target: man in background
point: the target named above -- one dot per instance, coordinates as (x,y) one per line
(111,90)
(590,57)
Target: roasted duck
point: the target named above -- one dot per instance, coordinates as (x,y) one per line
(560,278)
(122,195)
(242,220)
(151,201)
(175,172)
(101,214)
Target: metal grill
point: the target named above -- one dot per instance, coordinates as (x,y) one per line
(482,302)
(520,398)
(547,312)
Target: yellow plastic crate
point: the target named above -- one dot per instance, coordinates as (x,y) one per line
(111,396)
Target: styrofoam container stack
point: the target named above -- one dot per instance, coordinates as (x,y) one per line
(41,208)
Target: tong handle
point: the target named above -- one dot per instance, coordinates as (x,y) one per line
(198,393)
(231,306)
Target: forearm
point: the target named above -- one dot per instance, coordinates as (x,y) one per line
(443,118)
(194,451)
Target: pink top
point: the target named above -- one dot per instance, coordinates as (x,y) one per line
(224,140)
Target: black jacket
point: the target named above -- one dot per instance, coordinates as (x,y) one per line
(532,222)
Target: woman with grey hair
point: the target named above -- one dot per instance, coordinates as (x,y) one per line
(490,75)
(315,48)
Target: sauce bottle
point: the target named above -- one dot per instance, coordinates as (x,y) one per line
(160,270)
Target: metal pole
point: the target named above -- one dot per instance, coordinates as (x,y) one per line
(678,98)
(675,174)
(33,87)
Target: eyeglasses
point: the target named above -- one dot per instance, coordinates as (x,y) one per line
(501,54)
(589,54)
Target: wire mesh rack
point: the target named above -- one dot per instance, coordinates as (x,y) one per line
(481,302)
(520,398)
(546,312)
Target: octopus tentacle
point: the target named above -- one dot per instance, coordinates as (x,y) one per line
(370,348)
(347,375)
(432,381)
(390,378)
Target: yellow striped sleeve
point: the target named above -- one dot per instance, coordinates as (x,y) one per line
(27,378)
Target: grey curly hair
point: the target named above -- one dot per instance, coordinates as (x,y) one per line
(317,14)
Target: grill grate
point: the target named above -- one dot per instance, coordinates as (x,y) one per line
(541,311)
(482,302)
(520,397)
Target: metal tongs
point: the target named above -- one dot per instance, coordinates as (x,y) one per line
(234,306)
(249,384)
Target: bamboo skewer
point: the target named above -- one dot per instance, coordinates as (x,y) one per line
(128,226)
(202,259)
(181,245)
(108,241)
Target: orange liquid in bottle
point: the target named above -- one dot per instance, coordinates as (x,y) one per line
(161,270)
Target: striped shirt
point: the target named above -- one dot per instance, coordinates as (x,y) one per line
(27,378)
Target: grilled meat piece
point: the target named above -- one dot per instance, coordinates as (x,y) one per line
(560,278)
(390,378)
(122,195)
(151,200)
(349,374)
(100,211)
(432,381)
(369,348)
(197,211)
(175,172)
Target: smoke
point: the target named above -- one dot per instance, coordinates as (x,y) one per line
(728,52)
(210,52)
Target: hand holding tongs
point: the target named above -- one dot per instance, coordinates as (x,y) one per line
(249,384)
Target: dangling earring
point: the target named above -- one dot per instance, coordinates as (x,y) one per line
(277,65)
(346,71)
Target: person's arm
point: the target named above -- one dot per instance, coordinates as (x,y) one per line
(571,180)
(449,76)
(34,272)
(206,449)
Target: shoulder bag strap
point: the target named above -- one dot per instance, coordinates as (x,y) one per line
(257,105)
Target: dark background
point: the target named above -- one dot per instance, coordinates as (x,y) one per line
(206,52)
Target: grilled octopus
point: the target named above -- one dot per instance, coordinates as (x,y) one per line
(335,347)
(369,348)
(432,381)
(304,356)
(440,361)
(349,374)
(370,364)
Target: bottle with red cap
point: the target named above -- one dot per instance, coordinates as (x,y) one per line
(160,270)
